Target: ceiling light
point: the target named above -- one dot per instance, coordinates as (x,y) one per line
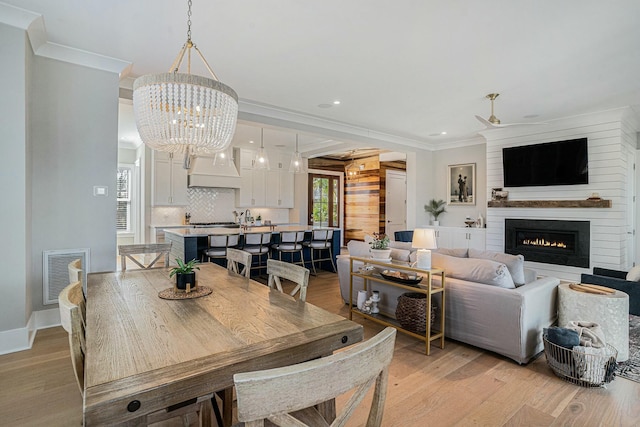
(443,133)
(336,102)
(223,158)
(352,170)
(261,161)
(185,113)
(297,164)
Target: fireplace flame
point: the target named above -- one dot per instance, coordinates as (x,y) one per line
(545,243)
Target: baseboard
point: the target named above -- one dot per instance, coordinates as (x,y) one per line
(21,339)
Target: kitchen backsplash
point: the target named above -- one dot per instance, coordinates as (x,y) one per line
(212,205)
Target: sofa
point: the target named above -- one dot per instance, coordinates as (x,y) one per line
(484,306)
(618,280)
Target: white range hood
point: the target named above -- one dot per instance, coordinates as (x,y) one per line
(204,174)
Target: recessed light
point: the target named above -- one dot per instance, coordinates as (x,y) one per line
(250,142)
(325,105)
(280,145)
(531,116)
(336,102)
(443,132)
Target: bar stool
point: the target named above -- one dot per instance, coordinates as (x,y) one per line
(257,244)
(218,245)
(291,242)
(321,240)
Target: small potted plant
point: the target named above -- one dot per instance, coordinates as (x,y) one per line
(258,220)
(435,208)
(380,246)
(185,274)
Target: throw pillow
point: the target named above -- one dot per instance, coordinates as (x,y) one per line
(458,252)
(400,245)
(515,263)
(634,274)
(400,254)
(477,270)
(358,249)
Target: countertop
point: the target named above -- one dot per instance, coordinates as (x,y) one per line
(203,232)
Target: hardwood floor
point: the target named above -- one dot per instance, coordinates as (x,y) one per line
(458,386)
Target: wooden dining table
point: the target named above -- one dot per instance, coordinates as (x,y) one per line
(145,353)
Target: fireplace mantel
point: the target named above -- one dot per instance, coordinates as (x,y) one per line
(593,203)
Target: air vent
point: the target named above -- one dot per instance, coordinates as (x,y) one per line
(55,271)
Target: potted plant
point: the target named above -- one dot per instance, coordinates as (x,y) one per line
(380,246)
(185,274)
(259,220)
(435,208)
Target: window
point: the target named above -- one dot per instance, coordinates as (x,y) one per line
(123,196)
(324,200)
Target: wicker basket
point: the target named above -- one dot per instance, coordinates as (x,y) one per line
(586,370)
(410,311)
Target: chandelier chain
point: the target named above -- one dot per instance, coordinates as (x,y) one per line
(189,21)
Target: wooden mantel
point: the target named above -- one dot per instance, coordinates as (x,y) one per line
(590,203)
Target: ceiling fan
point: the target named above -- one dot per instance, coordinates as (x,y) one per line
(493,122)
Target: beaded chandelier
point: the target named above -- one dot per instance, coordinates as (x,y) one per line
(185,113)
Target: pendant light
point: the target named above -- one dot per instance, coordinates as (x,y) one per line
(261,161)
(185,113)
(352,170)
(297,164)
(223,158)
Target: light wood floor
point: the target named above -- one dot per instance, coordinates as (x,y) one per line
(458,386)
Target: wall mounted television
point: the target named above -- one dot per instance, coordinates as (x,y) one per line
(551,163)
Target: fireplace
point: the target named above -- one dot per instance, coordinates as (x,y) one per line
(549,241)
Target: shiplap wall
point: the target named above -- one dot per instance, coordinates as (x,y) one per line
(611,149)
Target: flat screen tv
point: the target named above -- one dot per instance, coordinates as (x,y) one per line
(551,163)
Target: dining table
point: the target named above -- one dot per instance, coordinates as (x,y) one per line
(145,353)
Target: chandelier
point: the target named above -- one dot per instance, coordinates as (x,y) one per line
(185,113)
(352,170)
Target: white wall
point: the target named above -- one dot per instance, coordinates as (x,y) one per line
(610,142)
(15,305)
(73,123)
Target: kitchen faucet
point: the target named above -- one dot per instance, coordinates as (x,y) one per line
(247,214)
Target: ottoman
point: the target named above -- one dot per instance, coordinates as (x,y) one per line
(610,311)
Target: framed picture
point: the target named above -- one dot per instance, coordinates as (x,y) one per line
(461,184)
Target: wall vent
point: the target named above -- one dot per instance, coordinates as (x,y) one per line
(55,271)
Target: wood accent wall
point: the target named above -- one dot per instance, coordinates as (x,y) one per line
(364,198)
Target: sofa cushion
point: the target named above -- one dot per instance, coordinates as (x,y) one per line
(400,254)
(477,270)
(456,252)
(515,263)
(634,274)
(400,245)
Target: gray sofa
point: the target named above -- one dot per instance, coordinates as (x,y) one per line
(503,319)
(616,280)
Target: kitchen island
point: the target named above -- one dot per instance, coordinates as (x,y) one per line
(190,243)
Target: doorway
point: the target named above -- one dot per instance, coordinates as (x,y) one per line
(324,200)
(395,202)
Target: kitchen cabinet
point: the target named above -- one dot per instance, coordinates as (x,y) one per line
(169,180)
(460,237)
(264,188)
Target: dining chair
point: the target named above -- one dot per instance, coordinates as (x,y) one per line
(283,270)
(237,256)
(72,314)
(257,244)
(159,249)
(75,270)
(321,240)
(291,242)
(218,245)
(288,395)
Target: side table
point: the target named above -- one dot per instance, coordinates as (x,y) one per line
(611,312)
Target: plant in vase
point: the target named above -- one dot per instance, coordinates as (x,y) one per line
(435,208)
(185,274)
(259,220)
(380,246)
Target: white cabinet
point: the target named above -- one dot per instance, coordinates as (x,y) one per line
(460,237)
(259,188)
(169,180)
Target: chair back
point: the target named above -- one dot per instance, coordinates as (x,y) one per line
(235,256)
(72,312)
(291,237)
(75,271)
(283,270)
(160,249)
(274,394)
(257,239)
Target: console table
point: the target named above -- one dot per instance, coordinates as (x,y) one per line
(424,287)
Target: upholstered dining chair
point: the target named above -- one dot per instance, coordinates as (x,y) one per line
(257,244)
(75,270)
(72,313)
(237,256)
(287,396)
(283,270)
(291,242)
(321,240)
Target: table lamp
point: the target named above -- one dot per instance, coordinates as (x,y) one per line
(424,239)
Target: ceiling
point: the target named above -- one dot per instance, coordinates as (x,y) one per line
(403,72)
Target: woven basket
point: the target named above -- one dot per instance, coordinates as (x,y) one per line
(410,311)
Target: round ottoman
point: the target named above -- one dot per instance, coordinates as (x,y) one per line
(610,311)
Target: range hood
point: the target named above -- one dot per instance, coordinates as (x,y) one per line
(204,174)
